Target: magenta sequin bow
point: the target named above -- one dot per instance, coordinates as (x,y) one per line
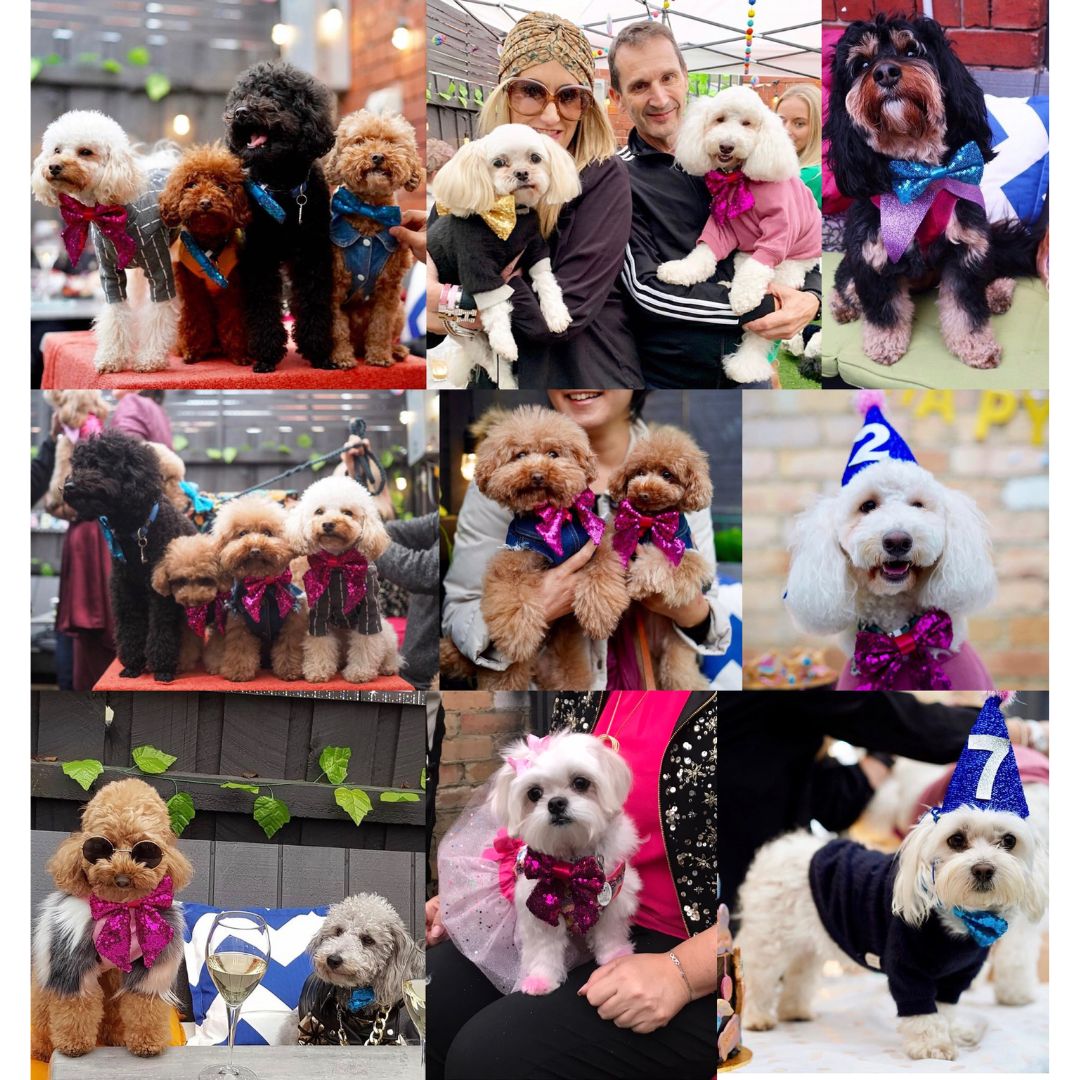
(552,518)
(880,658)
(631,526)
(198,615)
(353,567)
(111,222)
(564,888)
(255,588)
(731,194)
(152,932)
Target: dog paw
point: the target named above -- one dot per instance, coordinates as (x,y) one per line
(356,674)
(999,295)
(967,1030)
(346,363)
(794,1012)
(399,352)
(742,367)
(676,272)
(844,306)
(146,362)
(379,359)
(536,985)
(130,672)
(164,676)
(933,1051)
(264,366)
(75,1050)
(146,1049)
(1013,993)
(755,1021)
(556,316)
(979,350)
(886,344)
(108,365)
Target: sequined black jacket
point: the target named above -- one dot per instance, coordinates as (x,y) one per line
(687,796)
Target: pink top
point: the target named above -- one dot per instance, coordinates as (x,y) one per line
(642,722)
(784,223)
(141,418)
(965,670)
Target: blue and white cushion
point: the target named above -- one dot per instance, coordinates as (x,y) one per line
(416,303)
(1016,182)
(268,1017)
(724,672)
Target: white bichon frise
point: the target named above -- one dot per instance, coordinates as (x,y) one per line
(336,525)
(105,187)
(563,796)
(759,207)
(890,547)
(925,917)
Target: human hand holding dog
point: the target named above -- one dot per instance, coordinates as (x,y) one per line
(794,311)
(683,615)
(558,585)
(642,991)
(434,929)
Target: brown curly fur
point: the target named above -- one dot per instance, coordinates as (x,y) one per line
(191,574)
(71,408)
(250,535)
(666,470)
(124,811)
(371,328)
(529,457)
(205,194)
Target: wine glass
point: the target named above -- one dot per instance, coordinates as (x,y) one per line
(237,955)
(46,243)
(414,991)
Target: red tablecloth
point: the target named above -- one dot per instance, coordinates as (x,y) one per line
(69,365)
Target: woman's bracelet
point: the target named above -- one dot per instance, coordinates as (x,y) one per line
(682,971)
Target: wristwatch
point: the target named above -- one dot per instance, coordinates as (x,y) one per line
(456,307)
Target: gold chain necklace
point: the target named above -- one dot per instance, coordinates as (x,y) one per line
(607,737)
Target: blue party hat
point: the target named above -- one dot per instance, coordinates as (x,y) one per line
(986,775)
(877,439)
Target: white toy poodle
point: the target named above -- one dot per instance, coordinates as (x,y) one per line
(759,207)
(337,526)
(487,196)
(105,187)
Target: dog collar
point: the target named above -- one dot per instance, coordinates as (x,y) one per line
(139,536)
(261,194)
(214,267)
(360,997)
(577,892)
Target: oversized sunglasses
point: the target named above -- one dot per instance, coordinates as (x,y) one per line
(145,852)
(530,98)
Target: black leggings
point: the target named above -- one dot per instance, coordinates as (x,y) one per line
(475,1033)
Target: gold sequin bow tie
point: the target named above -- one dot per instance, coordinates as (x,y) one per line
(500,219)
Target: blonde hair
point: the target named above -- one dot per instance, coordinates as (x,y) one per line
(593,141)
(810,93)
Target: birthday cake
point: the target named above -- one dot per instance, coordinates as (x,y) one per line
(803,669)
(728,996)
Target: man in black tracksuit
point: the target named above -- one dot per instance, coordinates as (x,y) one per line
(681,332)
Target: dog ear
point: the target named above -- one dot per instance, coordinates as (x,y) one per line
(913,890)
(330,165)
(416,171)
(66,866)
(612,795)
(690,143)
(963,579)
(178,867)
(375,538)
(159,581)
(773,156)
(463,185)
(402,965)
(698,489)
(487,461)
(296,532)
(169,199)
(1036,895)
(39,188)
(619,480)
(565,183)
(121,179)
(500,787)
(820,593)
(585,457)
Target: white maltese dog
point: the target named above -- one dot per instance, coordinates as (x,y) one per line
(563,796)
(925,917)
(487,196)
(759,207)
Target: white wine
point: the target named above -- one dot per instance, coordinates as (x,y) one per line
(414,991)
(235,974)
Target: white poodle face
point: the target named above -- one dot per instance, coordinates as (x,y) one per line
(519,163)
(560,794)
(86,155)
(981,860)
(362,940)
(336,514)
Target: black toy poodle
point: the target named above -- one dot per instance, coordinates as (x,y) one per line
(279,121)
(117,479)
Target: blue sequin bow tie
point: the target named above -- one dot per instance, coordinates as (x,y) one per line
(984,926)
(912,178)
(345,202)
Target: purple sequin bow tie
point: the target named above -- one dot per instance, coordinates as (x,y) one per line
(552,518)
(731,194)
(353,567)
(198,615)
(255,588)
(880,658)
(111,221)
(564,889)
(631,526)
(152,932)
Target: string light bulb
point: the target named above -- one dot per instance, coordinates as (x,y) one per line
(468,467)
(401,38)
(181,124)
(283,34)
(331,22)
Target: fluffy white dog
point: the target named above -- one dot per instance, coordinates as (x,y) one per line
(563,796)
(487,196)
(89,169)
(760,208)
(337,526)
(968,858)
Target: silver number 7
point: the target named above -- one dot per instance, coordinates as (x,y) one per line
(998,748)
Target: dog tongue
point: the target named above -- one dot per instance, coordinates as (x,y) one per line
(256,140)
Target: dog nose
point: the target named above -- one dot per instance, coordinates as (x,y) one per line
(377,159)
(333,961)
(56,170)
(327,526)
(522,175)
(557,806)
(982,872)
(255,552)
(896,543)
(241,110)
(727,148)
(121,881)
(537,479)
(886,74)
(205,204)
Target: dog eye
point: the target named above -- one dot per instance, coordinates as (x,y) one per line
(242,532)
(1008,841)
(367,940)
(190,184)
(862,65)
(957,841)
(553,453)
(521,454)
(499,163)
(581,784)
(867,506)
(912,50)
(337,931)
(918,505)
(535,159)
(746,123)
(347,513)
(56,149)
(85,151)
(666,474)
(535,794)
(318,513)
(180,581)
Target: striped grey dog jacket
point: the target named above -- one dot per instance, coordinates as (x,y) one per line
(327,612)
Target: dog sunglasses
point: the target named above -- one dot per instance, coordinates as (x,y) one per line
(530,98)
(145,852)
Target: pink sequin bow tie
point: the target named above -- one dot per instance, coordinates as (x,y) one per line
(631,526)
(255,588)
(153,934)
(731,194)
(111,221)
(552,518)
(353,567)
(198,615)
(564,889)
(90,426)
(880,658)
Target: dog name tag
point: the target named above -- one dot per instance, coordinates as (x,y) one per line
(603,898)
(872,960)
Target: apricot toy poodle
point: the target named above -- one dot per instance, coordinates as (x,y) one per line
(81,414)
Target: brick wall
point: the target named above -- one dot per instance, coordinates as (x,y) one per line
(376,64)
(986,33)
(795,446)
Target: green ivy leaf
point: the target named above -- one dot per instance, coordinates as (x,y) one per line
(334,761)
(317,465)
(83,772)
(48,570)
(423,778)
(478,95)
(228,455)
(53,59)
(88,58)
(242,787)
(386,459)
(150,759)
(213,453)
(157,86)
(181,812)
(271,814)
(113,67)
(354,802)
(304,441)
(284,448)
(399,796)
(35,67)
(139,56)
(180,443)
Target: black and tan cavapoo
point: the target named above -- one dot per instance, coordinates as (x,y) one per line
(908,136)
(118,479)
(279,122)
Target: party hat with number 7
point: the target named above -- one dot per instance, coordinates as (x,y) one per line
(877,439)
